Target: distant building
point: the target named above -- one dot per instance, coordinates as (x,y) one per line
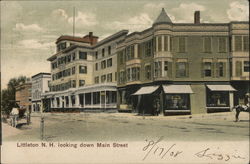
(23,95)
(40,85)
(84,73)
(177,68)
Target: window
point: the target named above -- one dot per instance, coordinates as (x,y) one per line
(115,76)
(166,66)
(182,44)
(103,64)
(129,51)
(159,43)
(68,58)
(148,72)
(82,69)
(133,73)
(96,97)
(103,78)
(157,69)
(96,66)
(122,77)
(165,43)
(238,68)
(109,50)
(61,46)
(217,99)
(81,83)
(109,77)
(246,66)
(88,98)
(73,70)
(129,75)
(82,55)
(73,56)
(221,71)
(245,43)
(96,79)
(207,44)
(103,52)
(96,55)
(109,62)
(208,69)
(181,69)
(148,48)
(222,44)
(73,83)
(121,56)
(238,43)
(177,101)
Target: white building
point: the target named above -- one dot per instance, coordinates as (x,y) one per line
(40,85)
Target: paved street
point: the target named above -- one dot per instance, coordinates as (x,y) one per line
(129,127)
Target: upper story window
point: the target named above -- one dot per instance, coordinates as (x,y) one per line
(103,52)
(103,78)
(109,77)
(181,69)
(166,43)
(159,43)
(222,44)
(82,55)
(241,43)
(122,77)
(96,66)
(182,44)
(103,64)
(69,58)
(109,50)
(96,55)
(109,62)
(129,74)
(81,83)
(61,46)
(246,66)
(96,79)
(129,51)
(82,69)
(148,72)
(74,56)
(207,44)
(148,48)
(73,70)
(207,69)
(121,57)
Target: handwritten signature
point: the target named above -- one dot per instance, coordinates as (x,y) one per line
(156,148)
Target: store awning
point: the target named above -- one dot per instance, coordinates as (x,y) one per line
(177,89)
(221,88)
(146,90)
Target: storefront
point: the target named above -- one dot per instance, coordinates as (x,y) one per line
(176,99)
(219,98)
(148,100)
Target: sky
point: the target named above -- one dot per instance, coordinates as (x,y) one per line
(29,29)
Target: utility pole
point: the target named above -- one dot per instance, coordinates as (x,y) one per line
(74,21)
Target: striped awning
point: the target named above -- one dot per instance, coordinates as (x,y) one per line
(177,89)
(221,88)
(146,90)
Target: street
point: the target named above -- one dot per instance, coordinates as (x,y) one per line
(130,127)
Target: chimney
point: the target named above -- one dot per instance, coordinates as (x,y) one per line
(197,17)
(90,34)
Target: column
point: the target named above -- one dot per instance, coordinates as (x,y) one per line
(231,100)
(77,100)
(100,100)
(60,104)
(70,102)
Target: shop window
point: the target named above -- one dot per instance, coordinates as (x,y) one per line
(110,97)
(246,66)
(207,69)
(207,44)
(82,55)
(217,99)
(83,69)
(222,44)
(177,102)
(81,83)
(73,100)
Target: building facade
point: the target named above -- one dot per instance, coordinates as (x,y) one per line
(23,95)
(177,68)
(40,85)
(84,73)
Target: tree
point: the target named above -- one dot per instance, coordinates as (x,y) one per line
(8,95)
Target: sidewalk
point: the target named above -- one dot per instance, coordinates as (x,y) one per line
(8,130)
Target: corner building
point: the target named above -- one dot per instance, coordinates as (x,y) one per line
(183,68)
(83,73)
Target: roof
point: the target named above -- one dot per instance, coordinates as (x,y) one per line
(41,73)
(74,38)
(163,17)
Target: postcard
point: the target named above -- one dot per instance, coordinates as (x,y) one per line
(125,81)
